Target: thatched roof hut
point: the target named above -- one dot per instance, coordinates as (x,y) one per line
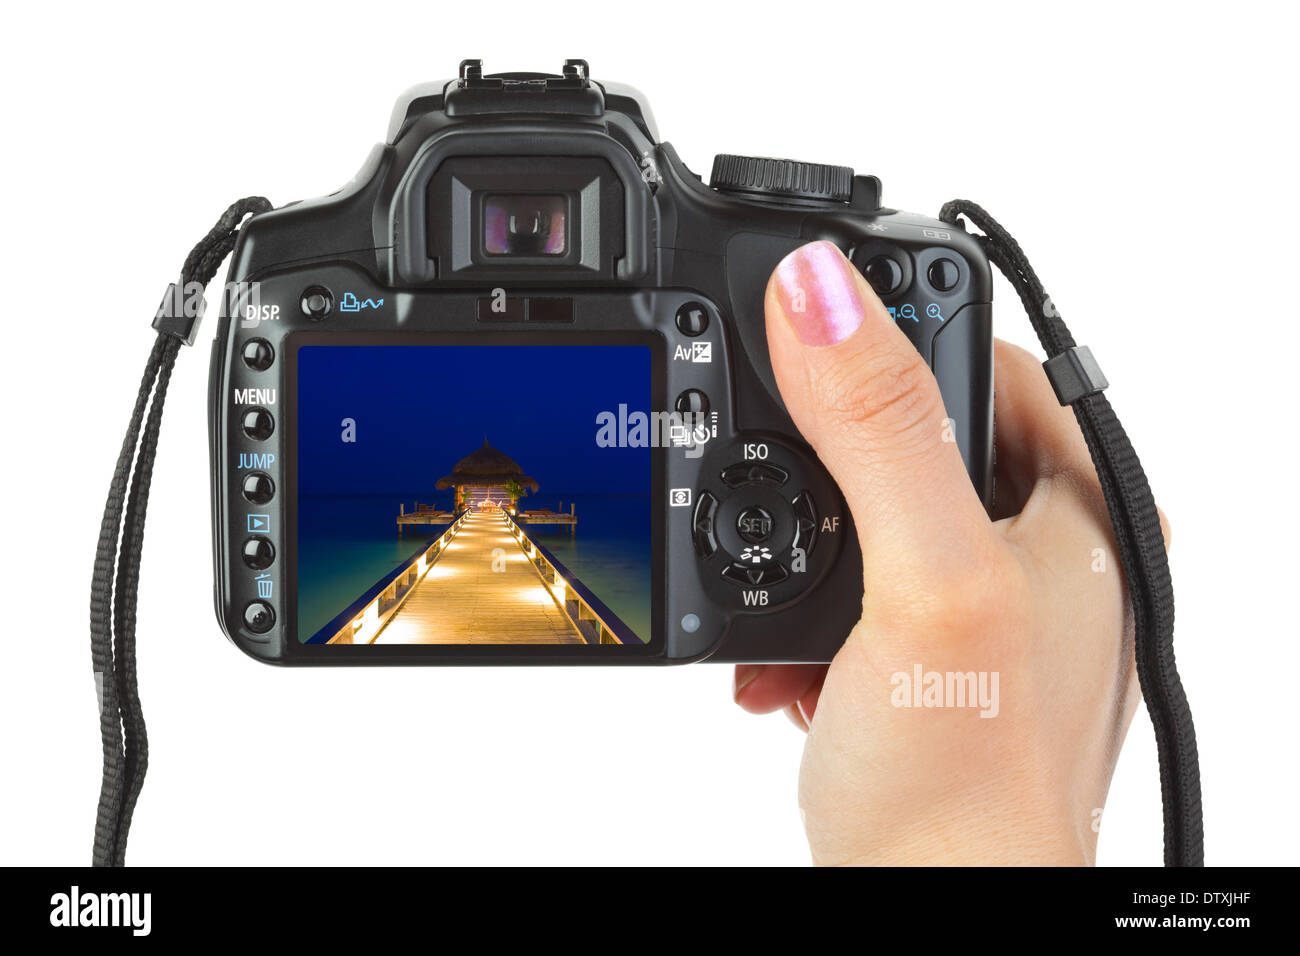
(486,468)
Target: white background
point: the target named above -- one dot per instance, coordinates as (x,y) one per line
(1144,157)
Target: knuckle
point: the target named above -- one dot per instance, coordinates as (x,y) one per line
(986,597)
(896,392)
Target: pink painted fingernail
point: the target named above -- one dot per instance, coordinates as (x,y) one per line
(819,294)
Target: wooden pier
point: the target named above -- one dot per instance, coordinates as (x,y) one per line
(432,515)
(483,581)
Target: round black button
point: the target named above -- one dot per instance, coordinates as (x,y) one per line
(259,553)
(692,319)
(943,274)
(258,354)
(692,402)
(258,488)
(259,617)
(317,302)
(258,424)
(754,524)
(884,274)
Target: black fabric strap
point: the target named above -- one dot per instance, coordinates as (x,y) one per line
(1078,383)
(116,577)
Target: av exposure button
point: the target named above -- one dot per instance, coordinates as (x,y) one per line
(259,553)
(754,524)
(258,354)
(259,617)
(706,507)
(692,319)
(258,424)
(258,488)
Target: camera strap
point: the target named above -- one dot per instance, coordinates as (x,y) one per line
(116,579)
(1078,382)
(1074,375)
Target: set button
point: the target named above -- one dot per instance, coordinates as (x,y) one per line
(258,424)
(754,524)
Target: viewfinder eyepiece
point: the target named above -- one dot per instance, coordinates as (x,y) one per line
(525,224)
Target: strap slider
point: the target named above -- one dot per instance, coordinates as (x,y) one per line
(1075,374)
(181,311)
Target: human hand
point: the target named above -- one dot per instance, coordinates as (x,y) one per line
(1032,604)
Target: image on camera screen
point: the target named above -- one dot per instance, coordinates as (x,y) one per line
(472,495)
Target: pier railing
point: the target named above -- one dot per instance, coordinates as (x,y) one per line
(365,617)
(593,619)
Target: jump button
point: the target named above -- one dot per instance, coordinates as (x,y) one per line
(258,488)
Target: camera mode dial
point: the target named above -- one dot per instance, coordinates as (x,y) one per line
(758,177)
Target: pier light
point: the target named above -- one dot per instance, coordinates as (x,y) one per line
(366,624)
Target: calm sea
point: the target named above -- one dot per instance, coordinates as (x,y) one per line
(347,543)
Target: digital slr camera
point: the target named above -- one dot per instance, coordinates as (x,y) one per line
(505,398)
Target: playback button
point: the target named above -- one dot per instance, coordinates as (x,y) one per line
(258,553)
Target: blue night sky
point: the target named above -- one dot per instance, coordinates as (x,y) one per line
(420,409)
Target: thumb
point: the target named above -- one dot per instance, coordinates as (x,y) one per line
(863,397)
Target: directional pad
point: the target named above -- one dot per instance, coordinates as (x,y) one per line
(754,473)
(746,576)
(805,513)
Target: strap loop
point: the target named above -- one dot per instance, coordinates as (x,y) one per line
(1075,374)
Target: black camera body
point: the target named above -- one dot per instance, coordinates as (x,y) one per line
(526,215)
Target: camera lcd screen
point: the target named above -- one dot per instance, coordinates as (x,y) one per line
(525,224)
(473,495)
